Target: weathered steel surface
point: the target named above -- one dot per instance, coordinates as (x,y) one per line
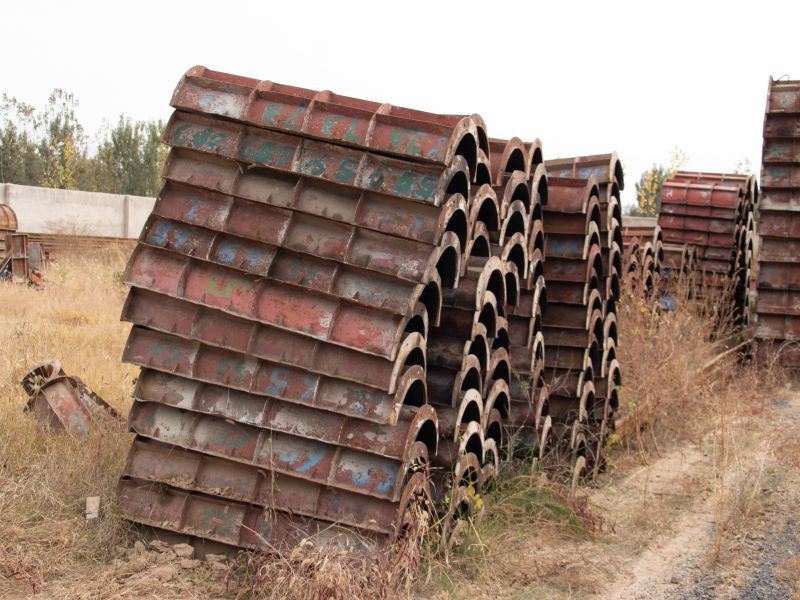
(283,294)
(244,372)
(777,321)
(606,168)
(201,138)
(217,329)
(577,272)
(384,128)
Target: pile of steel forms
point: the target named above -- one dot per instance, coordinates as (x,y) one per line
(338,310)
(583,271)
(777,319)
(715,214)
(645,254)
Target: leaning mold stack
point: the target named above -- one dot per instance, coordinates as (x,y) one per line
(282,296)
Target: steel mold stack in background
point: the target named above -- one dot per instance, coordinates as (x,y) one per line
(583,230)
(282,295)
(715,213)
(644,254)
(777,322)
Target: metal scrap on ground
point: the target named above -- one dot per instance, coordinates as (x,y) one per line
(63,402)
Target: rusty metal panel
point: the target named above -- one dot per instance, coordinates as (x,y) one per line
(407,133)
(190,358)
(276,415)
(325,464)
(402,257)
(607,168)
(150,461)
(317,316)
(777,320)
(232,523)
(217,329)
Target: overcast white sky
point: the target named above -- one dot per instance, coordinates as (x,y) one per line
(585,77)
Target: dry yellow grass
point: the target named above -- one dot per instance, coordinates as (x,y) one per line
(45,478)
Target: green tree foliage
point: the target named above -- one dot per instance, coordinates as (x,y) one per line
(48,147)
(648,189)
(129,159)
(648,192)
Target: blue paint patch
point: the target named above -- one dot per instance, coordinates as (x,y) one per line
(312,460)
(278,382)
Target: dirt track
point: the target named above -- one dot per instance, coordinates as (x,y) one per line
(679,528)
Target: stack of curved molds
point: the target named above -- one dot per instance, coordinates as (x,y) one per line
(643,254)
(777,323)
(573,324)
(717,216)
(282,294)
(607,169)
(469,370)
(520,176)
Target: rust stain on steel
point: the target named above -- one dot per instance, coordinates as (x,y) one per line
(217,329)
(379,475)
(232,523)
(153,462)
(777,319)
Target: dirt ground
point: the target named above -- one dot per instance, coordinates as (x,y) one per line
(678,527)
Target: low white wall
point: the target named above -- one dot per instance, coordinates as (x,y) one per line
(48,210)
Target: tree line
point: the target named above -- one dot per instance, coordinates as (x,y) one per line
(47,146)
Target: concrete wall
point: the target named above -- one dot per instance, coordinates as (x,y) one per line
(48,210)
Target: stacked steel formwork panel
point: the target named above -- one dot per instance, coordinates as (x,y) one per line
(339,311)
(777,321)
(335,305)
(521,183)
(715,214)
(600,365)
(283,293)
(644,254)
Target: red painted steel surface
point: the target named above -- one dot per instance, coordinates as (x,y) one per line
(384,128)
(777,321)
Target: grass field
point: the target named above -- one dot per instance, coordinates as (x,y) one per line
(517,549)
